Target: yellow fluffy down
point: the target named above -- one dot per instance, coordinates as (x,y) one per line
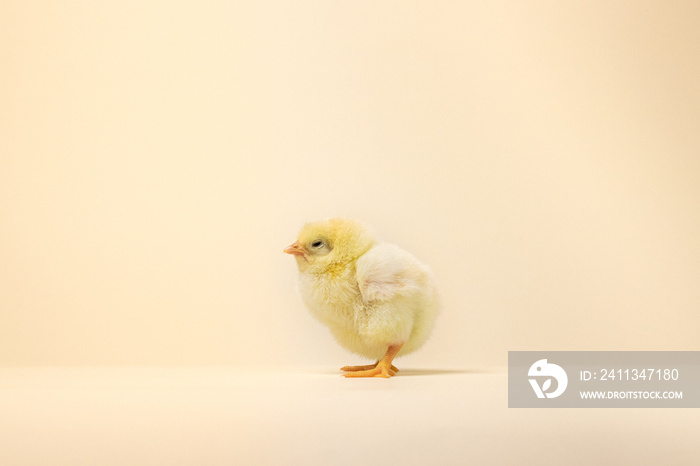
(370,295)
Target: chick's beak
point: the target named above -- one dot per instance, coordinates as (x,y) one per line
(296,249)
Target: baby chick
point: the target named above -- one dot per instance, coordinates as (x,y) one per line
(377,300)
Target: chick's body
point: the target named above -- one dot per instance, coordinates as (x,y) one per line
(376,299)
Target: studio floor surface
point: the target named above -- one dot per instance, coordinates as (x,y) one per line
(312,416)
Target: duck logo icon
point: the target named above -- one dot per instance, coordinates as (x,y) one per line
(541,369)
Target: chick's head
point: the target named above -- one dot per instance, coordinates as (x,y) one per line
(321,246)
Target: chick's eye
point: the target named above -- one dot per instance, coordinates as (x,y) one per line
(317,244)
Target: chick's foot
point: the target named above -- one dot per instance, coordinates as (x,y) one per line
(380,370)
(383,368)
(364,368)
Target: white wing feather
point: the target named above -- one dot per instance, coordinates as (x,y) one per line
(386,271)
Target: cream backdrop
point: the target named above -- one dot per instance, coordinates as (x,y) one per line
(542,157)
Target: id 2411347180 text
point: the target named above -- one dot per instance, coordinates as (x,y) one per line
(649,374)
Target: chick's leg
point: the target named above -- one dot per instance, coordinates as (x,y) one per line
(382,369)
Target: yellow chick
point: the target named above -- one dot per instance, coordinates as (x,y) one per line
(377,300)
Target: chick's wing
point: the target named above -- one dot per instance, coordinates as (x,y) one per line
(386,271)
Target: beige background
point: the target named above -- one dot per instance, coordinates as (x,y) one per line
(155,158)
